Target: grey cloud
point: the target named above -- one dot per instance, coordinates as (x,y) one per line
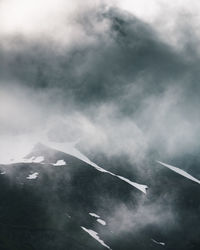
(128,89)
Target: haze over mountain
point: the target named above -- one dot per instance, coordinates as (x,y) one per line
(61,201)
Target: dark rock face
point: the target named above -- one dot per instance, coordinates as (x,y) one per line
(48,212)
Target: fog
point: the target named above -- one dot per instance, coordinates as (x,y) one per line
(106,73)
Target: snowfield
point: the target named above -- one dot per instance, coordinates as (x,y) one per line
(94,215)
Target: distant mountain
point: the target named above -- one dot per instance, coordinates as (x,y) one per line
(54,200)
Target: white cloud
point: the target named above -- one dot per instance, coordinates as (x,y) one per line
(47,20)
(28,16)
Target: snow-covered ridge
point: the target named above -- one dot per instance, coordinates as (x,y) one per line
(70,149)
(95,236)
(180,171)
(140,187)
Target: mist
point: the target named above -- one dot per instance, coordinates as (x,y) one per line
(102,74)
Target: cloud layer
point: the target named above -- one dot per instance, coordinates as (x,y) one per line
(102,74)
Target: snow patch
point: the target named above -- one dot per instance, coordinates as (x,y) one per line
(180,171)
(158,242)
(32,176)
(102,222)
(60,163)
(95,236)
(99,220)
(94,215)
(2,173)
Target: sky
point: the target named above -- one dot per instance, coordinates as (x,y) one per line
(119,76)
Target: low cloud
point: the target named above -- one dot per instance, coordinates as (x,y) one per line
(125,219)
(112,83)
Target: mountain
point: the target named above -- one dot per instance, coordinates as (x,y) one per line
(52,199)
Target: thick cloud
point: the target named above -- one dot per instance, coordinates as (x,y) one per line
(109,79)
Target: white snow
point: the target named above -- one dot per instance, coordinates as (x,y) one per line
(4,172)
(32,176)
(180,171)
(141,187)
(94,215)
(33,159)
(102,222)
(157,242)
(38,159)
(95,236)
(60,163)
(68,148)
